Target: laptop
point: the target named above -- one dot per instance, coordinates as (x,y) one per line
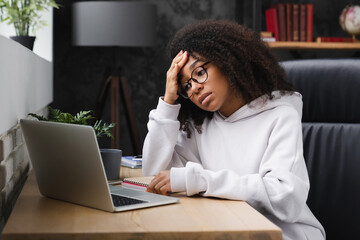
(68,167)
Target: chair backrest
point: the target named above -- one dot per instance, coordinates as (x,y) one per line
(331,134)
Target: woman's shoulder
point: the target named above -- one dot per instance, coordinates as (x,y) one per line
(285,104)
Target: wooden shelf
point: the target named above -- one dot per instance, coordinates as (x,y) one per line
(314,45)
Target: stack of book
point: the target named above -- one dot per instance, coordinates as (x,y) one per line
(131,161)
(137,183)
(267,37)
(291,21)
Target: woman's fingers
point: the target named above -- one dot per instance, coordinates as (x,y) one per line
(177,64)
(183,60)
(153,183)
(180,61)
(161,183)
(171,91)
(164,188)
(176,59)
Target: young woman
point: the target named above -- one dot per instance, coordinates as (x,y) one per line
(229,126)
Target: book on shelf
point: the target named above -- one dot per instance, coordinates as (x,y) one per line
(296,24)
(137,183)
(302,23)
(268,39)
(334,39)
(291,21)
(309,22)
(280,7)
(272,22)
(131,161)
(266,34)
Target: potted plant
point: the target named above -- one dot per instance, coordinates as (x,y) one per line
(82,118)
(26,18)
(111,157)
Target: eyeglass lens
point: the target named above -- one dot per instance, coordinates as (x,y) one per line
(198,75)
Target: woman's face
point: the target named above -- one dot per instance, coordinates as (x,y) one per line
(215,94)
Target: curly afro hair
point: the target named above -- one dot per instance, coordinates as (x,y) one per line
(240,54)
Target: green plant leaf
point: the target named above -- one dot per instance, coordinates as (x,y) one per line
(103,129)
(54,113)
(41,118)
(82,117)
(25,14)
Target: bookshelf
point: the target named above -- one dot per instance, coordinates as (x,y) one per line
(252,14)
(314,45)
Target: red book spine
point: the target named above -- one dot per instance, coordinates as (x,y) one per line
(296,22)
(272,22)
(289,18)
(302,28)
(334,39)
(282,21)
(309,22)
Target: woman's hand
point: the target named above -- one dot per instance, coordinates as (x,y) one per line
(161,183)
(171,91)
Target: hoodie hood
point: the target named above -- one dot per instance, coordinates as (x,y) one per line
(262,104)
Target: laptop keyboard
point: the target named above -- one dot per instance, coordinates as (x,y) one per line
(123,201)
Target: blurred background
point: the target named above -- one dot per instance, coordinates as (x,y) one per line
(78,71)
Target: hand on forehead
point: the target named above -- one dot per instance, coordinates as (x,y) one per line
(194,60)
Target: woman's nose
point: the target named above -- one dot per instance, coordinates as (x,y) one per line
(196,87)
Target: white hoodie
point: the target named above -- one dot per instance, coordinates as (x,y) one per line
(255,155)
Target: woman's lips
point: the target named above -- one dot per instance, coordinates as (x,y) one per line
(203,98)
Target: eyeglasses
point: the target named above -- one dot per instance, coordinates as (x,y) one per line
(198,75)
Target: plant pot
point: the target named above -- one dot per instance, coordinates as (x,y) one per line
(26,41)
(112,161)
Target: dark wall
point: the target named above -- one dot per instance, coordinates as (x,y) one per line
(78,71)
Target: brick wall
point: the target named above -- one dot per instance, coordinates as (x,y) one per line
(14,167)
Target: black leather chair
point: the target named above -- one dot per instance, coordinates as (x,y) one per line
(331,134)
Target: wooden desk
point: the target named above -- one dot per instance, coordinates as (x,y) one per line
(38,217)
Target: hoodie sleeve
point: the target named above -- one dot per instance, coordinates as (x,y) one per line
(165,146)
(279,188)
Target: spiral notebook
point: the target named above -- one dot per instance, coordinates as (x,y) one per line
(137,183)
